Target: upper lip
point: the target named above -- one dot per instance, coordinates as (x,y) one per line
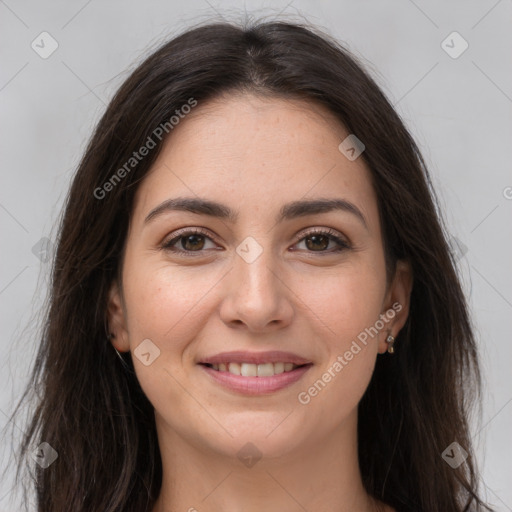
(238,356)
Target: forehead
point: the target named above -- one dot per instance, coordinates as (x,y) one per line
(255,153)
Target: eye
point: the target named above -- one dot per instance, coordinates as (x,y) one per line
(317,240)
(192,240)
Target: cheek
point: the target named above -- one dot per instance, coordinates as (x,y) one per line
(168,306)
(346,300)
(337,385)
(161,298)
(336,390)
(347,303)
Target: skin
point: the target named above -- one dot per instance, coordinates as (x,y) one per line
(255,154)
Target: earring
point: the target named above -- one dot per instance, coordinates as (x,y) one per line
(111,336)
(390,340)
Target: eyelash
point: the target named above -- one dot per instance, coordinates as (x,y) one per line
(168,245)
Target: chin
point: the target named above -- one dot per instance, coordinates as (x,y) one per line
(257,437)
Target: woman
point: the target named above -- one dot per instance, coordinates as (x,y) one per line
(253,304)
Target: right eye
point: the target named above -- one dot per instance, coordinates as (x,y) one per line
(192,241)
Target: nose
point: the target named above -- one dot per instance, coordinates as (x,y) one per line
(257,297)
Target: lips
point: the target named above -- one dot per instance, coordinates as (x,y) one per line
(255,373)
(240,357)
(254,370)
(255,385)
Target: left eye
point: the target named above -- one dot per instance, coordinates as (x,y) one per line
(321,239)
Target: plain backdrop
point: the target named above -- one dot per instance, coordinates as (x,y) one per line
(456,101)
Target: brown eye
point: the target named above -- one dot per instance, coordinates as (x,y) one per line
(318,241)
(192,242)
(314,242)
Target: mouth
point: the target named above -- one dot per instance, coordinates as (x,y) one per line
(246,373)
(255,370)
(254,373)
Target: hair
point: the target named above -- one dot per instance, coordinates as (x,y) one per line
(92,410)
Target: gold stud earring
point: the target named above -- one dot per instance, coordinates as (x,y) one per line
(390,340)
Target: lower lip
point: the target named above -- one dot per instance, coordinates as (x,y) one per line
(256,385)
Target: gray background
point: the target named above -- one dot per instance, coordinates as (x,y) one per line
(458,109)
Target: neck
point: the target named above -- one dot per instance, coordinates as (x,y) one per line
(321,476)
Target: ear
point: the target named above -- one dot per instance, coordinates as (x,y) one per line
(116,315)
(397,303)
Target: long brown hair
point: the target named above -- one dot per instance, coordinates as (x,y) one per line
(91,409)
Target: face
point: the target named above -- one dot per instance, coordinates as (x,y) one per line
(280,273)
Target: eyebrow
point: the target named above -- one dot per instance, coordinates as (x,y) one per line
(288,211)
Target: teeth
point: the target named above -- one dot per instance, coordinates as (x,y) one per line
(234,368)
(255,370)
(278,368)
(248,370)
(265,370)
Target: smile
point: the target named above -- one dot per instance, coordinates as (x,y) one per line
(254,370)
(255,379)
